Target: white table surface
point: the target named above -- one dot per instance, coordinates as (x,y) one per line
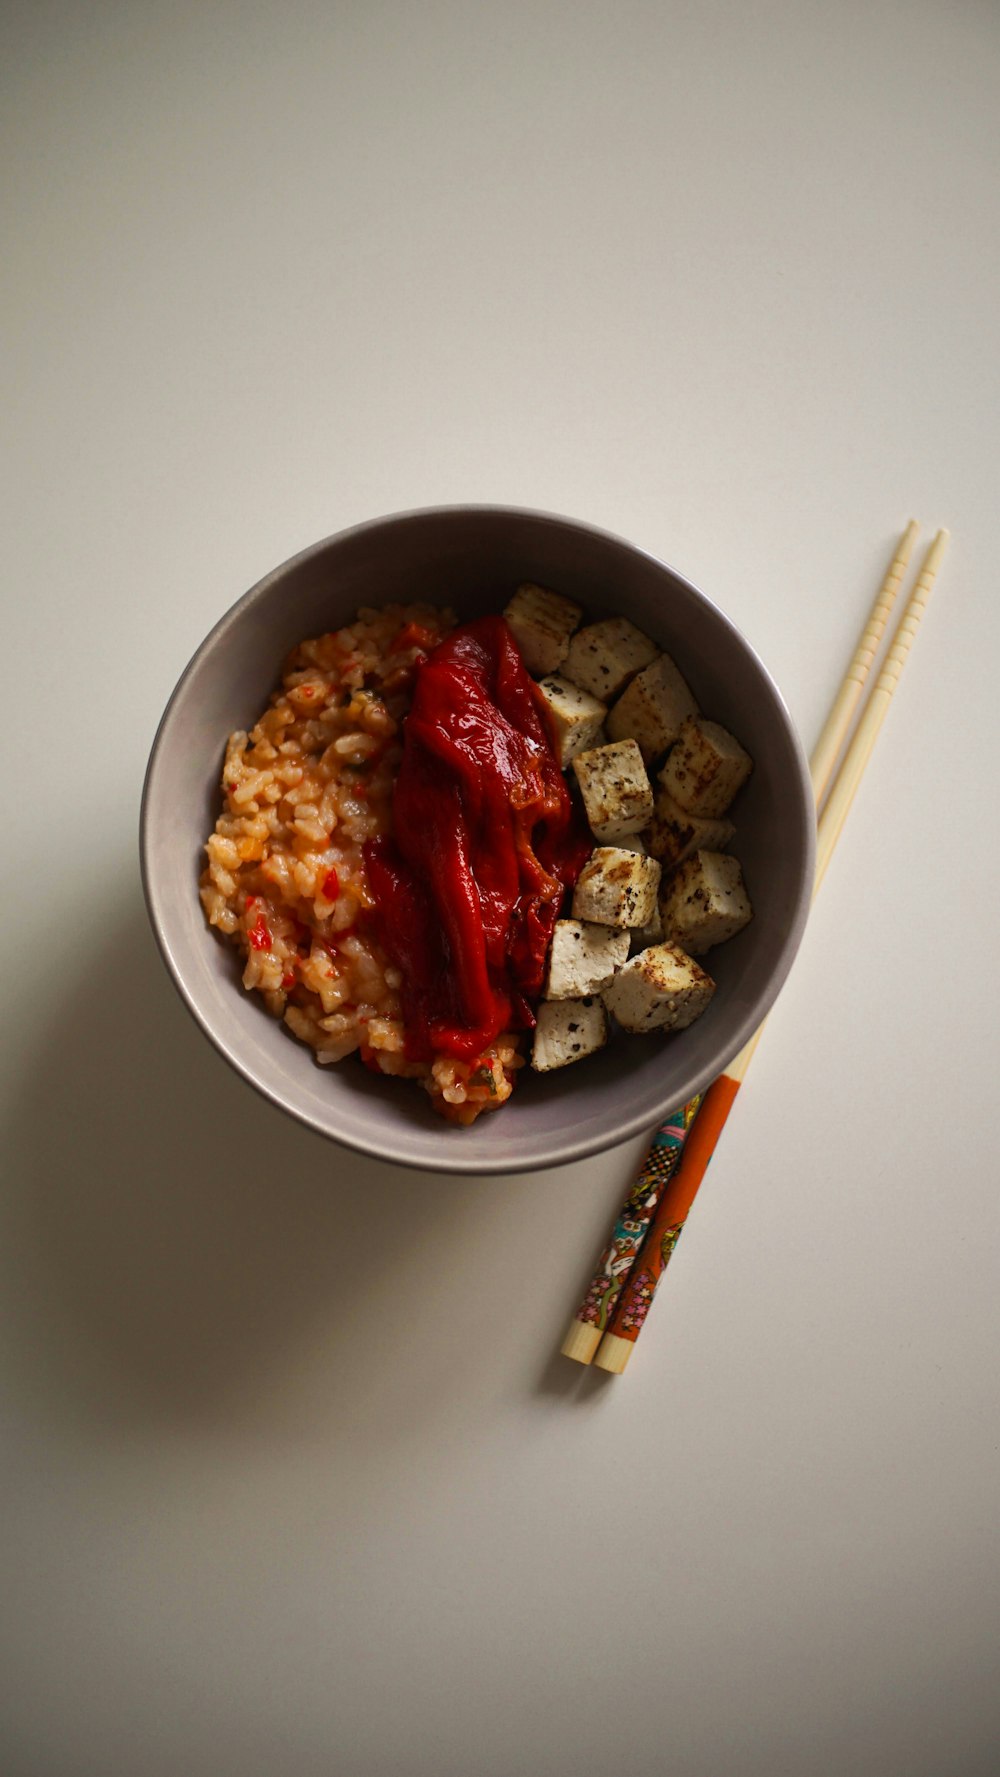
(293,1482)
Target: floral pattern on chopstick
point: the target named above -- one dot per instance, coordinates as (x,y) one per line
(629,1232)
(638,1293)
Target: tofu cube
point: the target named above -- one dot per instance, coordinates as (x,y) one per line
(705,768)
(568,1030)
(674,834)
(652,709)
(576,718)
(705,902)
(616,791)
(660,989)
(583,958)
(542,623)
(650,933)
(603,657)
(616,888)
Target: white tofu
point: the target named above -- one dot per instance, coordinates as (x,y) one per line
(616,791)
(705,902)
(583,958)
(705,768)
(568,1030)
(651,933)
(603,657)
(674,834)
(660,989)
(652,709)
(616,888)
(542,622)
(577,718)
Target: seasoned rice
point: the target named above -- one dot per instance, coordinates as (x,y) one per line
(304,790)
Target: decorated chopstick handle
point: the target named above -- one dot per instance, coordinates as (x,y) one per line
(628,1233)
(635,1299)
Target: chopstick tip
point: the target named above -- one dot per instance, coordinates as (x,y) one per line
(581,1342)
(614,1354)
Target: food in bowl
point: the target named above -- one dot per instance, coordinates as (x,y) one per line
(398,844)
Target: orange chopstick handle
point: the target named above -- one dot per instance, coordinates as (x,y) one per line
(665,1230)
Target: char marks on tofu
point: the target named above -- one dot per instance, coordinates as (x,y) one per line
(653,708)
(706,768)
(617,794)
(542,622)
(705,902)
(660,989)
(616,888)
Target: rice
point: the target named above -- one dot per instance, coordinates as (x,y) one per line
(285,882)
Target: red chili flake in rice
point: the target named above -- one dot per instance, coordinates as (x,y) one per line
(413,635)
(331,886)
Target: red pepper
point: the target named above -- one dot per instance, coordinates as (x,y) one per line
(412,635)
(485,844)
(331,886)
(259,934)
(288,980)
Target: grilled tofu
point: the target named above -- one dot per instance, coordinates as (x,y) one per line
(673,834)
(705,902)
(705,769)
(542,622)
(603,657)
(653,708)
(616,888)
(651,933)
(617,794)
(567,1031)
(582,958)
(660,989)
(577,718)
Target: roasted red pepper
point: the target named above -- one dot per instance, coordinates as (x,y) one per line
(485,844)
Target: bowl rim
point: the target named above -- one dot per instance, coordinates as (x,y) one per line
(450,1161)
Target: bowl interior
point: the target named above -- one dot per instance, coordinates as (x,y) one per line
(472,558)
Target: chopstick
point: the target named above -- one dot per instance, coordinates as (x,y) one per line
(860,750)
(835,728)
(633,1306)
(588,1325)
(593,1317)
(635,1293)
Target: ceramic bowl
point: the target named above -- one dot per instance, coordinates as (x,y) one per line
(472,557)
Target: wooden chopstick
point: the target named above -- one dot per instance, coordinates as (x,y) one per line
(593,1317)
(849,776)
(835,728)
(586,1329)
(635,1298)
